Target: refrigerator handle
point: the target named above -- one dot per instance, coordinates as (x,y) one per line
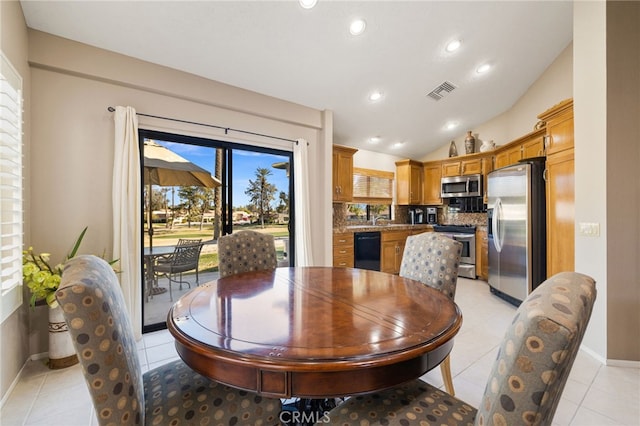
(495,224)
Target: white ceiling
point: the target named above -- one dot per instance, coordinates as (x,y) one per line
(308,56)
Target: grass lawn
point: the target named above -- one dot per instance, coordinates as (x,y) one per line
(208,261)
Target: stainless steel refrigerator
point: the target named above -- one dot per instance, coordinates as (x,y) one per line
(517,229)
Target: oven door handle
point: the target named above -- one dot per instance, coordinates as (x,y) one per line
(463,237)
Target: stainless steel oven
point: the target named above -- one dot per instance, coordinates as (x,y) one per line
(467,236)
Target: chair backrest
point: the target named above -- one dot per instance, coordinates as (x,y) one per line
(537,352)
(246,251)
(432,259)
(187,254)
(188,241)
(94,309)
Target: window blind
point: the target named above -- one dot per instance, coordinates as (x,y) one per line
(372,186)
(10,184)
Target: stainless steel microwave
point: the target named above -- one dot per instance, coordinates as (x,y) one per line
(461,186)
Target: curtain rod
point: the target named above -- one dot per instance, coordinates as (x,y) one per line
(226,129)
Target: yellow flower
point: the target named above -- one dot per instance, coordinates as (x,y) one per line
(42,279)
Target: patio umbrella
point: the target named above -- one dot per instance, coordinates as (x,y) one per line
(164,167)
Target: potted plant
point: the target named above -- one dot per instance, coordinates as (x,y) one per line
(43,280)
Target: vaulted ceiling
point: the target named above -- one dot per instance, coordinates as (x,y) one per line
(309,57)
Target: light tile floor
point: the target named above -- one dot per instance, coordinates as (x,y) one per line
(594,395)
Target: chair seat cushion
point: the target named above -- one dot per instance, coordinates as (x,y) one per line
(175,394)
(413,403)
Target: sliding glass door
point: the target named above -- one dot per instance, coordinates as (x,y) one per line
(196,190)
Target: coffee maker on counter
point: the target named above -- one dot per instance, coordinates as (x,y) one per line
(419,216)
(432,216)
(412,217)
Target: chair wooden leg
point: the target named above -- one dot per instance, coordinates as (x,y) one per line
(445,369)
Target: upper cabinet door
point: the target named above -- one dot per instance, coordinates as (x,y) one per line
(408,182)
(343,173)
(559,125)
(431,184)
(471,167)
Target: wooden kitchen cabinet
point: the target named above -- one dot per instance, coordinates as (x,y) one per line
(559,127)
(534,147)
(560,188)
(528,146)
(560,212)
(343,252)
(462,166)
(482,254)
(450,168)
(343,173)
(408,182)
(487,167)
(391,250)
(508,156)
(432,173)
(471,166)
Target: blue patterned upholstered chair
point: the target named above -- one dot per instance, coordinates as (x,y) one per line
(246,251)
(94,309)
(527,378)
(433,259)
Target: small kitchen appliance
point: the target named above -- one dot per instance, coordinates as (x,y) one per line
(432,215)
(419,216)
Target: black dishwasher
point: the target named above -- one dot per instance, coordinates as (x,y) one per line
(367,250)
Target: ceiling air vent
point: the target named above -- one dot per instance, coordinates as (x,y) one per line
(439,92)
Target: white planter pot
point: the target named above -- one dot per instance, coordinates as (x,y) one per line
(61,351)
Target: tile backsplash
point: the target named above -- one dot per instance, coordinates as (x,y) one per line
(401,215)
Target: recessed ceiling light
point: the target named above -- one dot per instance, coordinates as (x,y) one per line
(357,27)
(451,125)
(453,45)
(374,139)
(483,68)
(398,144)
(308,4)
(375,96)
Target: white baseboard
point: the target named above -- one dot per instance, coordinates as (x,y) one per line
(623,363)
(41,355)
(34,357)
(594,354)
(13,385)
(611,362)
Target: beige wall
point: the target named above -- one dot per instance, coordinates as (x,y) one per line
(73,84)
(607,107)
(607,125)
(553,86)
(14,347)
(590,105)
(623,158)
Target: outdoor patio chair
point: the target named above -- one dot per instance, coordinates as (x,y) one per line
(527,378)
(94,309)
(245,251)
(185,257)
(188,241)
(433,259)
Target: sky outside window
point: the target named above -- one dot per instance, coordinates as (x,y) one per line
(245,164)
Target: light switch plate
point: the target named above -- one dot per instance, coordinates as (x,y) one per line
(589,229)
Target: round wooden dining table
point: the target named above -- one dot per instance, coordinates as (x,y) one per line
(313,332)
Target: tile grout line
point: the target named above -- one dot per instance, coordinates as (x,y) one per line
(35,399)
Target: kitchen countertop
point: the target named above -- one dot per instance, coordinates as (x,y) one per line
(382,228)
